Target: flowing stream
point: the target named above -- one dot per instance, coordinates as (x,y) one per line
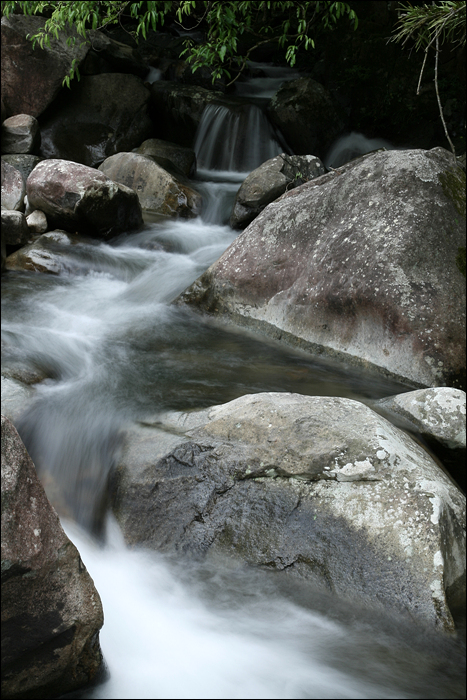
(109,349)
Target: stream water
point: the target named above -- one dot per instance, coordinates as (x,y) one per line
(110,349)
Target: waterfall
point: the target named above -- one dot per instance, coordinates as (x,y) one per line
(237,137)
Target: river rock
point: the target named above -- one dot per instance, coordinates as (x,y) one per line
(76,197)
(266,183)
(320,488)
(100,116)
(48,253)
(438,413)
(37,222)
(107,55)
(304,112)
(15,228)
(13,188)
(24,162)
(183,159)
(51,610)
(31,79)
(176,110)
(365,264)
(159,192)
(20,134)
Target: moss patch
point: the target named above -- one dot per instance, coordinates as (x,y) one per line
(453,184)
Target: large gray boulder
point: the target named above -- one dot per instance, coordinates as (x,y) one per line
(78,198)
(304,112)
(31,79)
(363,263)
(159,192)
(437,413)
(319,488)
(266,183)
(51,610)
(100,116)
(20,134)
(13,188)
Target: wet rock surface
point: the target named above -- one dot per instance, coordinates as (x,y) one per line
(51,611)
(322,488)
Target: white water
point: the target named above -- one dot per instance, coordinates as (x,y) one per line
(268,84)
(237,138)
(113,351)
(219,631)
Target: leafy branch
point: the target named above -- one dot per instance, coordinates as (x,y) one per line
(427,25)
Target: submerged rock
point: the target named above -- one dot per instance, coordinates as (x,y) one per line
(51,610)
(361,263)
(320,488)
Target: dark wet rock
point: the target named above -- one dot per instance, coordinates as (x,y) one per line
(306,115)
(78,198)
(15,230)
(361,263)
(13,188)
(269,181)
(159,192)
(20,134)
(176,110)
(32,79)
(183,159)
(322,489)
(100,116)
(48,253)
(107,55)
(51,610)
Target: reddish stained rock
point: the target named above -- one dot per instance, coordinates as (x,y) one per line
(361,263)
(76,197)
(32,78)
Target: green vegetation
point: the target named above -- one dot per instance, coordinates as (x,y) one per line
(231,29)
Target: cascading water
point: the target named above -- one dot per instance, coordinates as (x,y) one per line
(236,138)
(109,350)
